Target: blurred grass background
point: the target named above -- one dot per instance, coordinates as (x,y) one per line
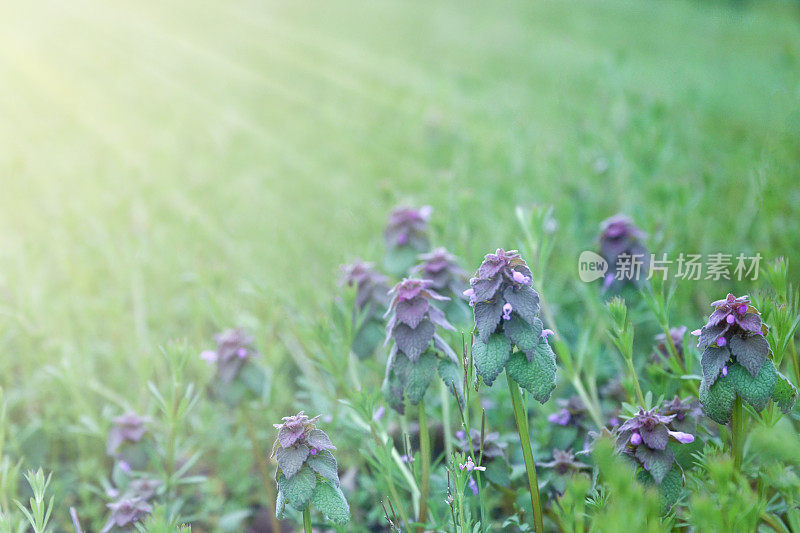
(172,168)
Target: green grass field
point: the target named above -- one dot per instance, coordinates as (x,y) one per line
(169,169)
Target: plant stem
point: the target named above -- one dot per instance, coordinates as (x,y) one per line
(737,433)
(261,463)
(527,454)
(448,437)
(398,503)
(635,378)
(425,458)
(307,520)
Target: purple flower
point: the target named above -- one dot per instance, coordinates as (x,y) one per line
(721,341)
(125,467)
(620,239)
(294,430)
(461,434)
(469,466)
(731,319)
(686,412)
(490,444)
(644,438)
(125,512)
(129,427)
(299,440)
(313,451)
(560,418)
(521,278)
(405,458)
(546,333)
(507,308)
(636,439)
(378,414)
(680,436)
(408,227)
(209,356)
(564,463)
(473,486)
(724,371)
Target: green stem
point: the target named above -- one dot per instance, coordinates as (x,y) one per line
(527,454)
(307,520)
(795,360)
(425,458)
(737,433)
(448,437)
(587,401)
(635,378)
(398,503)
(261,463)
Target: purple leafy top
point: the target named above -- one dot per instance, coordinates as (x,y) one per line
(126,511)
(492,447)
(685,413)
(234,348)
(370,284)
(564,462)
(129,427)
(734,333)
(408,227)
(300,444)
(662,348)
(413,319)
(619,236)
(644,438)
(441,268)
(572,412)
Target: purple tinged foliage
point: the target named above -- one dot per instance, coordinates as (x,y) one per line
(564,463)
(636,439)
(662,348)
(371,287)
(125,512)
(572,413)
(441,268)
(560,418)
(686,413)
(301,444)
(408,227)
(619,238)
(546,333)
(129,427)
(492,447)
(733,334)
(412,317)
(234,348)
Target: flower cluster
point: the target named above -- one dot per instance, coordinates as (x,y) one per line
(371,300)
(125,443)
(620,238)
(662,351)
(408,227)
(371,287)
(307,470)
(506,309)
(237,377)
(411,326)
(572,413)
(736,359)
(644,438)
(441,268)
(685,413)
(132,505)
(564,463)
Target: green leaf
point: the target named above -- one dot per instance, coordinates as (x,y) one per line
(656,462)
(420,376)
(324,464)
(670,488)
(280,505)
(525,336)
(784,394)
(713,359)
(717,400)
(298,490)
(525,302)
(491,358)
(498,472)
(291,459)
(452,374)
(756,391)
(538,377)
(369,336)
(330,501)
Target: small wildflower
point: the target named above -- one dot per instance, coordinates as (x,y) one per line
(125,512)
(442,269)
(662,350)
(620,238)
(125,467)
(731,319)
(371,287)
(408,227)
(680,436)
(461,434)
(564,462)
(636,439)
(491,446)
(560,418)
(234,347)
(721,341)
(473,486)
(724,370)
(546,333)
(378,414)
(129,427)
(469,466)
(507,308)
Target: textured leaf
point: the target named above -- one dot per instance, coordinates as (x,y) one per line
(756,391)
(717,400)
(750,351)
(411,312)
(525,302)
(442,346)
(420,376)
(392,389)
(487,317)
(324,464)
(784,394)
(538,377)
(298,489)
(498,472)
(369,337)
(290,460)
(670,488)
(710,334)
(750,322)
(712,361)
(485,289)
(657,438)
(280,505)
(525,336)
(318,439)
(452,374)
(330,501)
(413,342)
(656,462)
(491,358)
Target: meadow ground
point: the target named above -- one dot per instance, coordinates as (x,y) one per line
(172,168)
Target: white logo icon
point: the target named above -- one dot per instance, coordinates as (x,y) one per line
(591,266)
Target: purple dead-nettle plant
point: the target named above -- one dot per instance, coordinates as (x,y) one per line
(442,269)
(125,440)
(406,236)
(237,376)
(572,413)
(621,244)
(736,361)
(371,302)
(307,470)
(506,309)
(560,470)
(662,346)
(418,351)
(490,451)
(685,413)
(125,513)
(645,437)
